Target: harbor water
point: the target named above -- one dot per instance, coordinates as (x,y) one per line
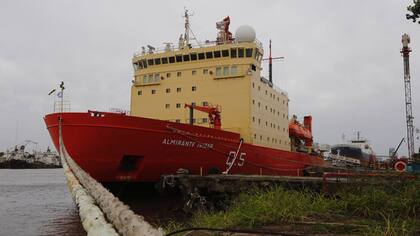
(37,202)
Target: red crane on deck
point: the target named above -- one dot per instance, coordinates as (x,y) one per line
(213,112)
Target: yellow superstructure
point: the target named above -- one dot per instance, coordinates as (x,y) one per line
(227,75)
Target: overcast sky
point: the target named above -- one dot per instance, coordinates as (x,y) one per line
(342,64)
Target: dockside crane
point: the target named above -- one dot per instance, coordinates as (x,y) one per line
(405,51)
(213,112)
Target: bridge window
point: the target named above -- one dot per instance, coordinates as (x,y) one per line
(225,71)
(193,56)
(217,54)
(225,53)
(171,59)
(240,52)
(164,60)
(248,52)
(233,53)
(201,56)
(218,71)
(150,62)
(209,55)
(178,58)
(157,61)
(234,71)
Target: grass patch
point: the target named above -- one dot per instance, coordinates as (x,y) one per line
(367,209)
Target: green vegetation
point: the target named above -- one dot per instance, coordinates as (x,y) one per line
(414,10)
(367,209)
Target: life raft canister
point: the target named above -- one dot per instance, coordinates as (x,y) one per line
(400,166)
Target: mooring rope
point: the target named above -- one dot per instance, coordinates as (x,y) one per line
(122,218)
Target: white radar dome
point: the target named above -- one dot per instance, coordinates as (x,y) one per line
(245,33)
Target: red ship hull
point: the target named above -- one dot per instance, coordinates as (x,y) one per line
(115,147)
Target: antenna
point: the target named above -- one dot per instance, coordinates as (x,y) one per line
(405,51)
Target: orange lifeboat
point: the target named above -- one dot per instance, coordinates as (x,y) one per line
(302,132)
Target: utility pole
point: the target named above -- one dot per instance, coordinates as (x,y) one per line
(405,51)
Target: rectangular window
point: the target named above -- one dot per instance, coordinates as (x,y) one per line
(178,90)
(201,56)
(168,90)
(193,88)
(164,60)
(150,62)
(178,105)
(168,75)
(194,72)
(139,93)
(167,106)
(204,120)
(205,71)
(186,57)
(248,52)
(209,55)
(157,61)
(226,71)
(234,71)
(225,53)
(240,52)
(150,79)
(178,121)
(253,67)
(171,59)
(233,53)
(157,77)
(217,54)
(153,91)
(218,71)
(205,104)
(178,73)
(193,56)
(144,63)
(178,58)
(145,79)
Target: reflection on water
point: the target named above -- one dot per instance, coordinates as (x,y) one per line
(37,202)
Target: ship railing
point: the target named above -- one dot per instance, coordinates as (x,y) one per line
(171,48)
(283,92)
(62,106)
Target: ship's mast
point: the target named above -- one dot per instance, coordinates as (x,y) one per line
(405,51)
(186,40)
